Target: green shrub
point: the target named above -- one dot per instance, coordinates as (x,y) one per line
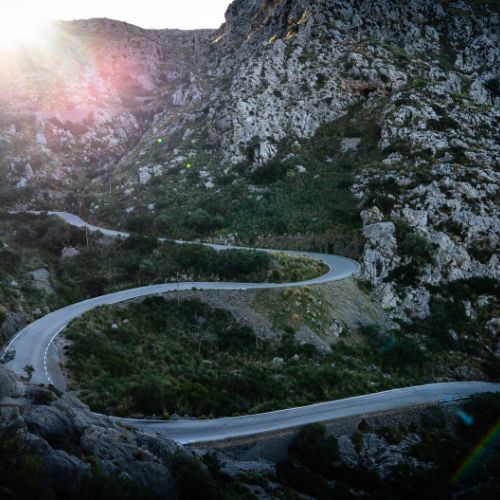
(203,222)
(235,263)
(493,86)
(491,367)
(416,248)
(43,397)
(149,395)
(413,244)
(9,260)
(392,435)
(269,173)
(315,450)
(192,478)
(443,123)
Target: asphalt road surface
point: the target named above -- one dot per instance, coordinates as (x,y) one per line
(204,431)
(34,346)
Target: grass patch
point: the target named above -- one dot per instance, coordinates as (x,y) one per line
(292,307)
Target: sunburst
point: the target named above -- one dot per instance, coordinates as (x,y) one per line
(18,31)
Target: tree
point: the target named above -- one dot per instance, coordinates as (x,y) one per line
(29,371)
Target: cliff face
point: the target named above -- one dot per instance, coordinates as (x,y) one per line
(78,101)
(301,123)
(118,112)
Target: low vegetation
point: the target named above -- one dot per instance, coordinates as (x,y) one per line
(102,265)
(162,357)
(448,314)
(313,469)
(416,252)
(302,196)
(293,307)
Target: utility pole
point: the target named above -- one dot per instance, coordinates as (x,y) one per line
(178,296)
(87,235)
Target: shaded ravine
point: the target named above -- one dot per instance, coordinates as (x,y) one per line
(34,345)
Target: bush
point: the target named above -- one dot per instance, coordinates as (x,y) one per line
(316,451)
(464,289)
(149,396)
(203,222)
(43,397)
(416,248)
(493,86)
(236,339)
(413,244)
(192,478)
(9,260)
(443,123)
(269,173)
(235,263)
(491,367)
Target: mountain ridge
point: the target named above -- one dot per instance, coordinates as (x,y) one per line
(352,122)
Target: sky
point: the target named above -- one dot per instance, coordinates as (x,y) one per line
(181,14)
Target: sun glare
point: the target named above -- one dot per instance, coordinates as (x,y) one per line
(17,32)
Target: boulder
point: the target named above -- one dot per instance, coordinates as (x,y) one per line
(41,280)
(372,215)
(9,385)
(69,252)
(13,322)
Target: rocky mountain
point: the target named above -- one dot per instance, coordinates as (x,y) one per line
(79,101)
(360,127)
(52,446)
(369,128)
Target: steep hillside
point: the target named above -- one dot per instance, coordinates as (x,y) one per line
(359,127)
(72,106)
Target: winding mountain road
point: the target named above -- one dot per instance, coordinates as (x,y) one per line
(34,345)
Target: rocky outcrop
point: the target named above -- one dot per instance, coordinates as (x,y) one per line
(69,252)
(9,385)
(61,430)
(149,104)
(95,107)
(13,322)
(380,251)
(41,280)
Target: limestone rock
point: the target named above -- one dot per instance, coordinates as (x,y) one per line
(261,467)
(371,216)
(58,428)
(41,280)
(9,386)
(347,451)
(380,251)
(13,322)
(69,252)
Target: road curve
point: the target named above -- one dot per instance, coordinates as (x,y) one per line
(204,431)
(33,345)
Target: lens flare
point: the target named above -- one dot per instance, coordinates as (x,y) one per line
(477,453)
(465,418)
(17,32)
